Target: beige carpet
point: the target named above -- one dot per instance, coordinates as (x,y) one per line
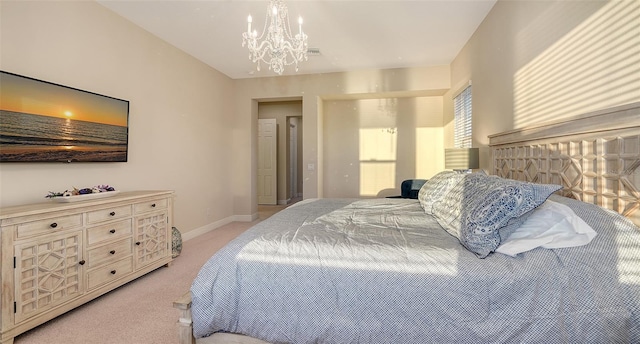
(141,311)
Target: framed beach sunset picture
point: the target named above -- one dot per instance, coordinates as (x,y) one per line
(46,122)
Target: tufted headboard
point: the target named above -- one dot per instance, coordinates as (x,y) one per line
(595,157)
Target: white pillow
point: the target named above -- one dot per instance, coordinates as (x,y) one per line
(551,225)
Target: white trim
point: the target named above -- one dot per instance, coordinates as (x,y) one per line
(461,88)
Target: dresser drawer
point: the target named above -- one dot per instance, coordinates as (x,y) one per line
(144,207)
(50,225)
(111,231)
(107,214)
(109,272)
(109,252)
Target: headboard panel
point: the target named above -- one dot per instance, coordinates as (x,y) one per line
(595,157)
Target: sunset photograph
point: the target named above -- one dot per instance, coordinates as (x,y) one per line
(46,122)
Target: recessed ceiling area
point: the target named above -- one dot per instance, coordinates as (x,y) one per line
(351,35)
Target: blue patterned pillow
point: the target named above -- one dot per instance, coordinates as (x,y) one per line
(436,188)
(448,208)
(481,210)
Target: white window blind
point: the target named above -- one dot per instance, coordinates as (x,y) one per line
(462,119)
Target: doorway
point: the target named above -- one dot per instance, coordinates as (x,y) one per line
(286,182)
(295,157)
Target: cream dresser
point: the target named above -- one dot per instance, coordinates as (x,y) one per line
(57,256)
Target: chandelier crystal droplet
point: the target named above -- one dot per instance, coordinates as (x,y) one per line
(276,46)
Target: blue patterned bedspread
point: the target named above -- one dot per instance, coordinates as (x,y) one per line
(381,271)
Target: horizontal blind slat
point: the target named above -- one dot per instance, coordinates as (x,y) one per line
(463,119)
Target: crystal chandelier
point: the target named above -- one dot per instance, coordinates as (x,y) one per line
(276,46)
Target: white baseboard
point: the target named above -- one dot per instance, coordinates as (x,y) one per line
(215,225)
(245,218)
(284,201)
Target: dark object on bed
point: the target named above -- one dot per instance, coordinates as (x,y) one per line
(410,188)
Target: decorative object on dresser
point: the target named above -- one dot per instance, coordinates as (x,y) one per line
(58,256)
(77,195)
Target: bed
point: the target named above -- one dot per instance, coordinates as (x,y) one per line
(459,264)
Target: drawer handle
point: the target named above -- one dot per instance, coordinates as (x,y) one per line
(112,231)
(138,243)
(81,262)
(53,225)
(153,205)
(113,213)
(112,251)
(113,272)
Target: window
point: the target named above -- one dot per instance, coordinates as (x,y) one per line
(378,155)
(462,119)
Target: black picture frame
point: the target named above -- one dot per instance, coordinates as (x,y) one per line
(41,121)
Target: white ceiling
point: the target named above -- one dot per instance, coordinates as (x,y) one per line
(351,35)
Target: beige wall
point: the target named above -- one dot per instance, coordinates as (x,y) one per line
(180,110)
(372,145)
(315,90)
(535,61)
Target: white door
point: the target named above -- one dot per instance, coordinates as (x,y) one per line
(267,162)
